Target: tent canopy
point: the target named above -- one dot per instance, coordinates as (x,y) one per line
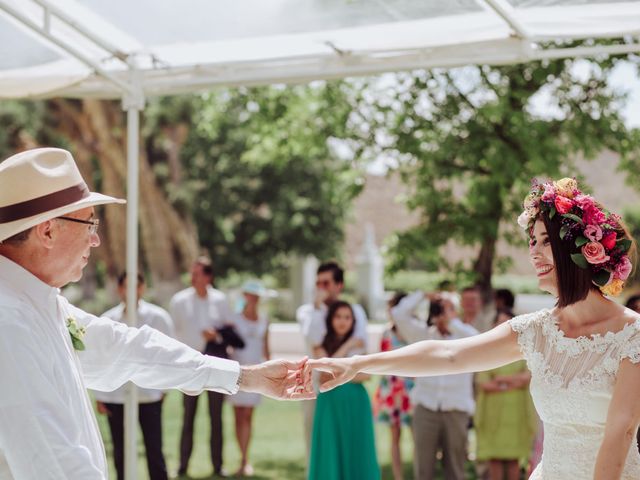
(87,48)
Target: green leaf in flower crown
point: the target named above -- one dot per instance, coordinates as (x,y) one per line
(601,278)
(573,217)
(624,245)
(579,260)
(580,241)
(563,231)
(552,212)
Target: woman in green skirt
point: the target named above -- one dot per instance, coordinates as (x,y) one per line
(343,446)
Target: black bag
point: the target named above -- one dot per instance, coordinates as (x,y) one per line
(230,338)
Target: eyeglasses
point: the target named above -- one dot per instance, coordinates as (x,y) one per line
(93,229)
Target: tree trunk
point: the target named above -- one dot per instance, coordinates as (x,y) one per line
(168,241)
(484,267)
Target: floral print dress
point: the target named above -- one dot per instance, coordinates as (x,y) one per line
(391,403)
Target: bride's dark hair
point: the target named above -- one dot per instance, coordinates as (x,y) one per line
(573,282)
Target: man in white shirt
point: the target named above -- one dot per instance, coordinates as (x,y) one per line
(111,404)
(312,318)
(51,351)
(442,405)
(200,313)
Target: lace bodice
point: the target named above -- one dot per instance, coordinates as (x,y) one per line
(572,384)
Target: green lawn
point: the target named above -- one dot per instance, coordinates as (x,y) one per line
(277,450)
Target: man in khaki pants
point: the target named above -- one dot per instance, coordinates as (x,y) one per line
(442,405)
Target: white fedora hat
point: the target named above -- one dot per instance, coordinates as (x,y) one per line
(40,184)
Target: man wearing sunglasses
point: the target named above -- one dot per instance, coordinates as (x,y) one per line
(51,351)
(312,320)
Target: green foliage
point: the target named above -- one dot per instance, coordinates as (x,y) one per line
(263,177)
(470,140)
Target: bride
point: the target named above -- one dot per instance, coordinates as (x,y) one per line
(584,355)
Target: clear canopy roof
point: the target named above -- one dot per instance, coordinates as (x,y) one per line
(87,47)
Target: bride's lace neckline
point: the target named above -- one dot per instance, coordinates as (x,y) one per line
(552,327)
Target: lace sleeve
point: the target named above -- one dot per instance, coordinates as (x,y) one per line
(527,328)
(631,349)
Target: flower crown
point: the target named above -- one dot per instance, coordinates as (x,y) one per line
(598,234)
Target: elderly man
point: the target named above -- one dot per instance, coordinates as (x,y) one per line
(51,351)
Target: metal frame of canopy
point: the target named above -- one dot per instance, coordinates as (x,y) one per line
(131,89)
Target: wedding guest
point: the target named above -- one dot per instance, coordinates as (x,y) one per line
(392,405)
(312,320)
(111,404)
(201,313)
(442,405)
(343,446)
(253,326)
(505,420)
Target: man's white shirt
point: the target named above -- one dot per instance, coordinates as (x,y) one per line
(47,426)
(313,324)
(192,315)
(438,393)
(154,317)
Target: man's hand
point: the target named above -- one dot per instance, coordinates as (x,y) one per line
(279,379)
(211,335)
(320,298)
(340,370)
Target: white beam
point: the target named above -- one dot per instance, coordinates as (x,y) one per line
(505,11)
(78,27)
(27,22)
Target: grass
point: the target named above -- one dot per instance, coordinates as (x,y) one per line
(277,449)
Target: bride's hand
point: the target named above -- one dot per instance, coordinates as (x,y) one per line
(339,371)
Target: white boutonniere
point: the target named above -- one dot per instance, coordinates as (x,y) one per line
(76,332)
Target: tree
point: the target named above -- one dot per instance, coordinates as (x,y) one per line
(261,173)
(470,140)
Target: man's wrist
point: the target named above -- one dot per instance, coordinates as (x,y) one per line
(245,378)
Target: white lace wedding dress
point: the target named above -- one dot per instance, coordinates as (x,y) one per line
(571,385)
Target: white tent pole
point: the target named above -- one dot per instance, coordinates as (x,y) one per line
(133,104)
(124,87)
(505,11)
(102,43)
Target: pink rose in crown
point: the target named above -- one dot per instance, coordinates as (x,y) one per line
(592,215)
(563,204)
(594,253)
(584,201)
(623,269)
(593,233)
(609,240)
(549,193)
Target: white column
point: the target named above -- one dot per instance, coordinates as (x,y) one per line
(370,283)
(303,280)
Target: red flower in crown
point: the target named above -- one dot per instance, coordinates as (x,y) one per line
(563,205)
(609,240)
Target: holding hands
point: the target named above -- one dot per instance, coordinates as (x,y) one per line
(279,379)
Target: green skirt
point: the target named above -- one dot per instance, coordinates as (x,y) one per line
(343,445)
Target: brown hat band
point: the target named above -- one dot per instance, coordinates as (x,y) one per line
(48,202)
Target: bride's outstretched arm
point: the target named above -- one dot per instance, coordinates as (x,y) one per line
(492,349)
(622,423)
